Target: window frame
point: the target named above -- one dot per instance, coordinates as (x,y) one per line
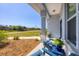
(67,20)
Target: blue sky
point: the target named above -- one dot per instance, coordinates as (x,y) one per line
(19,14)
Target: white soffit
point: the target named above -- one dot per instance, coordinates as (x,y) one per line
(54,8)
(37,6)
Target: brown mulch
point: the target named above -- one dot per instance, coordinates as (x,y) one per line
(18,47)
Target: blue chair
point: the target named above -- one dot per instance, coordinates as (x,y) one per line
(50,49)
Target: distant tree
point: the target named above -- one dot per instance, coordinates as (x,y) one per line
(17,28)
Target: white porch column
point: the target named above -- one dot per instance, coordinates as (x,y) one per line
(64,23)
(64,28)
(43,25)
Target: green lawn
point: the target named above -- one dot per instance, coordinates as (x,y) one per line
(23,33)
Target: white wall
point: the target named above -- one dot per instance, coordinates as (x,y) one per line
(53,25)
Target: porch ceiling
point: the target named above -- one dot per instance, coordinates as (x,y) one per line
(53,8)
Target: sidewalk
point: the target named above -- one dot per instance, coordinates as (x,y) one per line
(31,37)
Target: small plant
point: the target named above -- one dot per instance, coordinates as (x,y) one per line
(16,37)
(37,39)
(57,42)
(49,35)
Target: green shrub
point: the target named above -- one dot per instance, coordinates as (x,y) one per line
(16,37)
(5,41)
(3,36)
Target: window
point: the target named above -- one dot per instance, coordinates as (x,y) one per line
(71,22)
(72,30)
(71,9)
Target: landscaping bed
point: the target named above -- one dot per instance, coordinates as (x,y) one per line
(19,47)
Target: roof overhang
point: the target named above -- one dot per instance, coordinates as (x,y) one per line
(53,8)
(37,6)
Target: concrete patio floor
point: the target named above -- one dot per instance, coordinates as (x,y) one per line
(40,46)
(36,49)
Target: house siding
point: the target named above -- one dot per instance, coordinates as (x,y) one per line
(53,26)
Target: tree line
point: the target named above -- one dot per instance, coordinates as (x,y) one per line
(16,28)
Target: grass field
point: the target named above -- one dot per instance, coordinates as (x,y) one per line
(23,33)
